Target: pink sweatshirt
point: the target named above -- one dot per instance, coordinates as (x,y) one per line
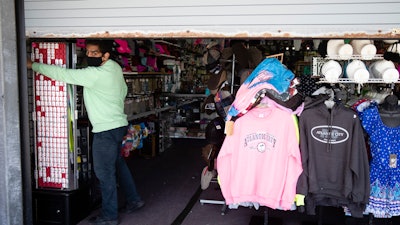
(261,161)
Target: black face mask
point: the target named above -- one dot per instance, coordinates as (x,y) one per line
(94,61)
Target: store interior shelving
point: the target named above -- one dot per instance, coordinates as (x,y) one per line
(318,63)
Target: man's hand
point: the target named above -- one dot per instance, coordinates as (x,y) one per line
(28,63)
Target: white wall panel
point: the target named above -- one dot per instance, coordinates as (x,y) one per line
(210,18)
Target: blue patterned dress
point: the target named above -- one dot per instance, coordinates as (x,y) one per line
(384,200)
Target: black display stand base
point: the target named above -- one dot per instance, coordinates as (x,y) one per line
(51,207)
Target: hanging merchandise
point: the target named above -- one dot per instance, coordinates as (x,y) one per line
(215,137)
(307,85)
(208,105)
(334,157)
(270,74)
(134,138)
(239,49)
(260,162)
(122,46)
(215,131)
(206,176)
(255,57)
(393,53)
(211,57)
(223,100)
(209,154)
(246,57)
(384,200)
(216,81)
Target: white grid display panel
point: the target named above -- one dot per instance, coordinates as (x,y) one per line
(51,114)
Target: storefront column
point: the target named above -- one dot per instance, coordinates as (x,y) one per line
(11,197)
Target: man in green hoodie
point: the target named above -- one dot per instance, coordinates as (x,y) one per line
(104,92)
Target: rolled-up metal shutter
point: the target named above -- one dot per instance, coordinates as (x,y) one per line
(210,18)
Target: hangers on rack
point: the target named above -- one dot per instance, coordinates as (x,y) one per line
(331,92)
(392,87)
(263,103)
(330,102)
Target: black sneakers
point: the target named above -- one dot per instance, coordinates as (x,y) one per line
(129,208)
(133,206)
(98,220)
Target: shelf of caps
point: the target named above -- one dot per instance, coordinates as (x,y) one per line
(318,62)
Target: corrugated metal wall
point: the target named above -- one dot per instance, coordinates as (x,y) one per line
(212,18)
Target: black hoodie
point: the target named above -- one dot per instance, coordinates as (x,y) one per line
(334,157)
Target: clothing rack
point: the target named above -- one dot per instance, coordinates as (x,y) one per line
(215,202)
(233,74)
(256,103)
(215,180)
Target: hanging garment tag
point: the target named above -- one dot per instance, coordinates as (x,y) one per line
(229,127)
(393,161)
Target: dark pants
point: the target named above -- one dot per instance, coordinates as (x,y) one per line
(108,164)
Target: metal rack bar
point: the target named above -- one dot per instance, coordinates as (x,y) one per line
(347,80)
